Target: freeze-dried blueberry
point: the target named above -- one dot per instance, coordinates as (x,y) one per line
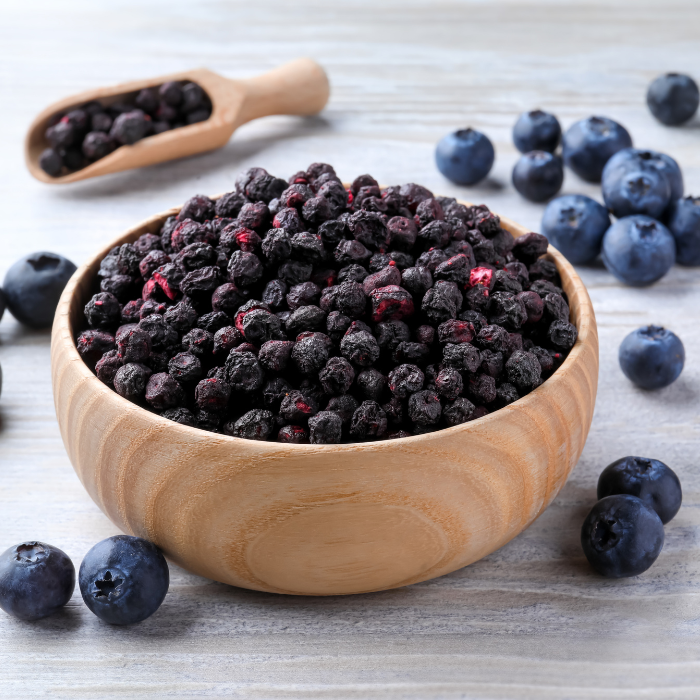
(274,355)
(293,435)
(555,308)
(368,421)
(352,273)
(264,188)
(506,394)
(493,338)
(295,272)
(244,269)
(304,294)
(227,298)
(305,318)
(534,305)
(244,372)
(431,259)
(372,384)
(369,229)
(481,388)
(259,326)
(130,127)
(464,357)
(426,334)
(435,234)
(151,262)
(405,380)
(162,334)
(391,303)
(562,335)
(326,427)
(107,367)
(92,345)
(195,257)
(390,333)
(460,411)
(523,370)
(455,331)
(337,376)
(529,247)
(336,325)
(229,205)
(491,363)
(417,280)
(348,252)
(474,317)
(297,407)
(180,415)
(385,277)
(254,215)
(309,355)
(543,269)
(360,348)
(438,306)
(345,406)
(185,367)
(507,310)
(257,424)
(402,233)
(134,345)
(201,282)
(103,311)
(455,269)
(274,293)
(378,261)
(411,353)
(50,162)
(214,321)
(449,383)
(130,380)
(424,407)
(163,392)
(97,145)
(199,342)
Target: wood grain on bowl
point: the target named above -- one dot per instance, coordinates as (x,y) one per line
(323,519)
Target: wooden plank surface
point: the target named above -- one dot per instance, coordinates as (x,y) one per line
(529,621)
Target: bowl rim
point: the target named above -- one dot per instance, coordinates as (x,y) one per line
(63,334)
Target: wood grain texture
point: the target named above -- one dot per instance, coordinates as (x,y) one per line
(322,519)
(529,621)
(298,88)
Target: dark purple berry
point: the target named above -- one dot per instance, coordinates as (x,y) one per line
(459,411)
(326,427)
(162,392)
(130,381)
(424,407)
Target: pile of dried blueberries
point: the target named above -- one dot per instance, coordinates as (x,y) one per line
(300,311)
(93,131)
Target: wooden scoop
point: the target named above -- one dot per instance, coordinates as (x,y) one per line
(299,87)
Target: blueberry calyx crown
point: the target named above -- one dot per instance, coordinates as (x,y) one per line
(606,534)
(30,553)
(108,586)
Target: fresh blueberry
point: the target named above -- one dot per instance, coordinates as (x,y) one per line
(590,143)
(33,286)
(673,99)
(124,579)
(638,250)
(622,536)
(627,191)
(538,175)
(684,224)
(536,131)
(575,225)
(652,481)
(652,357)
(465,156)
(632,182)
(36,580)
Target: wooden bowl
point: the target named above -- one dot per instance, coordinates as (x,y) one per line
(322,519)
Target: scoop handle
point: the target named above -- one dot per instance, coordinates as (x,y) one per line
(298,87)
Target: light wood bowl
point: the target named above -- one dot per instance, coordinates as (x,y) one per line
(322,519)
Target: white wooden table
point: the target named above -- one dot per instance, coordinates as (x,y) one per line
(529,621)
